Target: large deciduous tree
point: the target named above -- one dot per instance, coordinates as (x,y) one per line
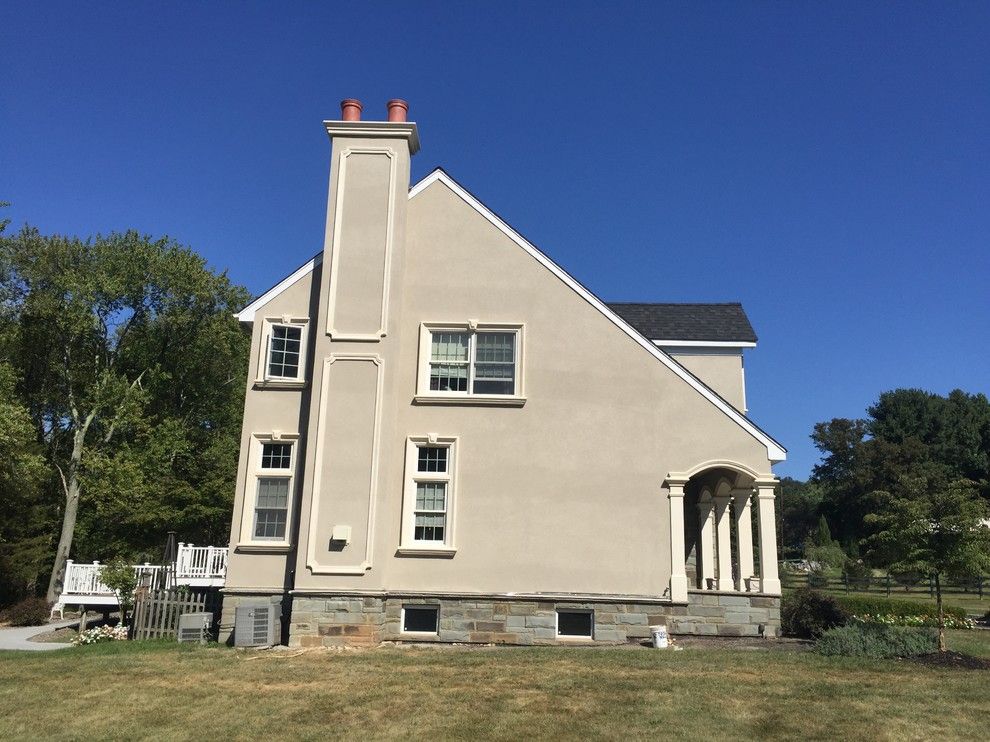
(132,370)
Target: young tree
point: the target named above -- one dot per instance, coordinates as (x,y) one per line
(932,526)
(102,327)
(119,576)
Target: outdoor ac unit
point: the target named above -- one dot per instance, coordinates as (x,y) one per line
(254,625)
(194,627)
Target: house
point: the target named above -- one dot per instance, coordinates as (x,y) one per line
(448,438)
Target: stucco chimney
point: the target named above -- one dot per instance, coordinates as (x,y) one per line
(350,109)
(397,109)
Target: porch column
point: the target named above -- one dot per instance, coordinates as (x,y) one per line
(723,532)
(742,499)
(706,545)
(678,576)
(769,579)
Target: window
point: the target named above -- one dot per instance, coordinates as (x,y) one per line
(427,511)
(575,624)
(284,346)
(483,362)
(268,500)
(420,619)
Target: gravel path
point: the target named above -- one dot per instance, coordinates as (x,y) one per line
(19,637)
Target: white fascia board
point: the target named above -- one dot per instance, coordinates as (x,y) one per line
(703,344)
(248,313)
(775,452)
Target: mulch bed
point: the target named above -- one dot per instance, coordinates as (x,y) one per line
(953,660)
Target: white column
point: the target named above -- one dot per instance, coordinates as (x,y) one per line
(723,533)
(769,580)
(744,534)
(678,577)
(706,545)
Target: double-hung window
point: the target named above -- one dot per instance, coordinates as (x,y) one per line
(484,362)
(428,499)
(271,507)
(268,497)
(283,351)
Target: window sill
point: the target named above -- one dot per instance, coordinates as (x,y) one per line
(264,546)
(280,383)
(426,551)
(480,400)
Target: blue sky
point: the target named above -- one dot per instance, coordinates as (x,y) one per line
(827,164)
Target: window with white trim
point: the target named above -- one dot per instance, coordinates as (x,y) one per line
(429,489)
(268,504)
(284,351)
(461,361)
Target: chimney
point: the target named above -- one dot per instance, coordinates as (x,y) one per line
(350,110)
(397,109)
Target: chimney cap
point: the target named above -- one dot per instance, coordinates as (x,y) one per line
(350,109)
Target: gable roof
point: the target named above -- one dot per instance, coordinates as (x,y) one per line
(775,452)
(719,323)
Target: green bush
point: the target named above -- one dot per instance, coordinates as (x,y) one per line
(859,605)
(807,613)
(876,641)
(29,612)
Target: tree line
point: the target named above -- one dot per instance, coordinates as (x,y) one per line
(122,376)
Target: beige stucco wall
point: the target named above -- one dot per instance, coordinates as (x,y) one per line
(564,494)
(721,370)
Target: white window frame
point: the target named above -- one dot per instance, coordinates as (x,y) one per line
(269,323)
(573,637)
(402,620)
(408,545)
(255,472)
(425,395)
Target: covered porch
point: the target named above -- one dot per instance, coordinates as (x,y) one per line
(722,531)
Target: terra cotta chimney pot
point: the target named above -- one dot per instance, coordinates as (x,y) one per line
(350,109)
(397,109)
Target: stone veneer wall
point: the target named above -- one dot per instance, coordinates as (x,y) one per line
(340,620)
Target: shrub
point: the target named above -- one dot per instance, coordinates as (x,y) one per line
(807,613)
(876,641)
(902,612)
(29,612)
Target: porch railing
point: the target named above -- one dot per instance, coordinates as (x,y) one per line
(200,562)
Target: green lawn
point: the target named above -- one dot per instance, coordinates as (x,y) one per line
(971,602)
(162,691)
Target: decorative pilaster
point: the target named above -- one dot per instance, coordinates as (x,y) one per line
(765,494)
(742,499)
(678,576)
(706,542)
(723,532)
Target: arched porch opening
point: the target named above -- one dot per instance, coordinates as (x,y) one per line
(723,536)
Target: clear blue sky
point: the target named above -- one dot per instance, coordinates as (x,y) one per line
(827,164)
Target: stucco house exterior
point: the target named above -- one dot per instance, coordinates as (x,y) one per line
(448,438)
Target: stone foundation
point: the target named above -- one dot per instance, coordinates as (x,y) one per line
(356,620)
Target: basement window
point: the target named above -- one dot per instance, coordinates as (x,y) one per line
(575,624)
(420,619)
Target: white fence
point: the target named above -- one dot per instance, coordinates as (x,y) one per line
(196,566)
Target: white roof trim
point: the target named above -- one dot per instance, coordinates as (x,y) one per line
(775,452)
(247,314)
(704,344)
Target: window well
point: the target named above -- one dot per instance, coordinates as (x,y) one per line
(575,624)
(420,619)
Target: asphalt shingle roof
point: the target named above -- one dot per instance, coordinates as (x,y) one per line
(713,322)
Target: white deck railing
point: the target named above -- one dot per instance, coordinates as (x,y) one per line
(197,566)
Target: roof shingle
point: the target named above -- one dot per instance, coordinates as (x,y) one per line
(711,322)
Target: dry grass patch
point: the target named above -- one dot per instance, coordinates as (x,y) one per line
(164,691)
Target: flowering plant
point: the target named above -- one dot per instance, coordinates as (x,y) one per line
(951,621)
(101,634)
